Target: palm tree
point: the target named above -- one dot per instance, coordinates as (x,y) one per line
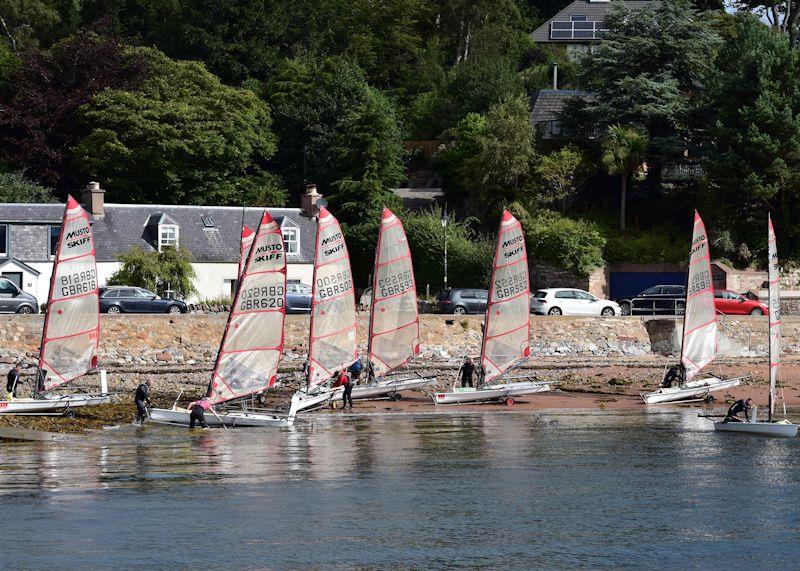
(624,149)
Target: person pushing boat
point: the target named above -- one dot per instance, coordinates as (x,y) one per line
(141,397)
(741,405)
(466,372)
(674,376)
(197,411)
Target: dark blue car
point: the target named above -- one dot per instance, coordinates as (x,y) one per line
(124,299)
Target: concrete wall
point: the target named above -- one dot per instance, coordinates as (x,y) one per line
(544,275)
(139,341)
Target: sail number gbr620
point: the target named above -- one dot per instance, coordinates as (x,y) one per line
(261,297)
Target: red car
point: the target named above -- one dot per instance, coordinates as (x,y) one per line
(731,303)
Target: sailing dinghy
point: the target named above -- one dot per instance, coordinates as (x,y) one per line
(507,325)
(770,427)
(699,346)
(332,335)
(71,333)
(251,347)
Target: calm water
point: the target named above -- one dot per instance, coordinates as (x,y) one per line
(503,490)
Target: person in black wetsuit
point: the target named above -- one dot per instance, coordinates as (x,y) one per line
(13,380)
(347,383)
(673,377)
(466,372)
(741,405)
(142,396)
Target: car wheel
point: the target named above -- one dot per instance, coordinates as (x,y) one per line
(757,311)
(554,311)
(625,308)
(25,310)
(607,312)
(173,309)
(459,310)
(113,310)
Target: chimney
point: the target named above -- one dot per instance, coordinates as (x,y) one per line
(308,202)
(93,199)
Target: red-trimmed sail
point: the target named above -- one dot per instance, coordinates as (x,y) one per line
(71,332)
(252,344)
(332,341)
(394,321)
(507,327)
(774,316)
(247,240)
(700,320)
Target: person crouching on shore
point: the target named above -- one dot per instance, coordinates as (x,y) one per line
(197,411)
(740,405)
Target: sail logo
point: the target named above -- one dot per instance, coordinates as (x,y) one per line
(336,243)
(517,242)
(77,237)
(268,252)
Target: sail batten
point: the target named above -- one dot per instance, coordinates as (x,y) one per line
(507,325)
(71,333)
(394,319)
(332,336)
(252,343)
(699,345)
(774,316)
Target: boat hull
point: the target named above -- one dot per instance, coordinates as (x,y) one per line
(759,428)
(237,419)
(51,405)
(363,392)
(690,391)
(491,394)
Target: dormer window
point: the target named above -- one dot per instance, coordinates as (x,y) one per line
(291,237)
(168,235)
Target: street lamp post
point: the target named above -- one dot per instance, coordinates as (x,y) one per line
(444,225)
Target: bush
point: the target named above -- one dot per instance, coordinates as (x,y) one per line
(645,247)
(157,271)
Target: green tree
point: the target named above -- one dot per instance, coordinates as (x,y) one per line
(753,136)
(624,149)
(24,22)
(15,187)
(157,271)
(560,174)
(183,137)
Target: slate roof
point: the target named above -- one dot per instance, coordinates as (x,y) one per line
(546,104)
(125,226)
(594,11)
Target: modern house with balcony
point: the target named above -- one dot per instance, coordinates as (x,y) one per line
(580,25)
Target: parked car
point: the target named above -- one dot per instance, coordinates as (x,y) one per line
(298,297)
(365,301)
(656,300)
(14,300)
(127,299)
(461,301)
(732,303)
(568,301)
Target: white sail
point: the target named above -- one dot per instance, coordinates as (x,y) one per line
(700,320)
(774,316)
(332,343)
(71,332)
(394,321)
(247,241)
(507,327)
(251,346)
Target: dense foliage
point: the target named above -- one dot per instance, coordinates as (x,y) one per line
(157,271)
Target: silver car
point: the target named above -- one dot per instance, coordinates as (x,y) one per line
(14,300)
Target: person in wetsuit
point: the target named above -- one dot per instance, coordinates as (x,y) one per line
(197,412)
(466,372)
(741,405)
(141,397)
(13,380)
(674,376)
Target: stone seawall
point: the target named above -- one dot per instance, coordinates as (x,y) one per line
(146,342)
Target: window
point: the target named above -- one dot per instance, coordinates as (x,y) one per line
(656,290)
(111,294)
(3,240)
(304,289)
(482,294)
(7,288)
(719,294)
(127,293)
(578,17)
(673,290)
(291,240)
(167,236)
(583,295)
(565,295)
(55,234)
(540,294)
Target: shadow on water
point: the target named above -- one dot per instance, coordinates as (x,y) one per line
(654,489)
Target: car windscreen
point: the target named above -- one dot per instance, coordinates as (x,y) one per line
(444,294)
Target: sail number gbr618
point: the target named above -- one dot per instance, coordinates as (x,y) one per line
(77,283)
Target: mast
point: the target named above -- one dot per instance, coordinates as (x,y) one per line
(774,315)
(71,333)
(507,324)
(394,318)
(699,345)
(332,341)
(251,346)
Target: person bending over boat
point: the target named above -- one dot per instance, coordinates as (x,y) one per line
(355,371)
(197,411)
(466,372)
(13,380)
(342,379)
(142,396)
(674,376)
(741,405)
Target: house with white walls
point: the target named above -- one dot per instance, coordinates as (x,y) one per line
(29,235)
